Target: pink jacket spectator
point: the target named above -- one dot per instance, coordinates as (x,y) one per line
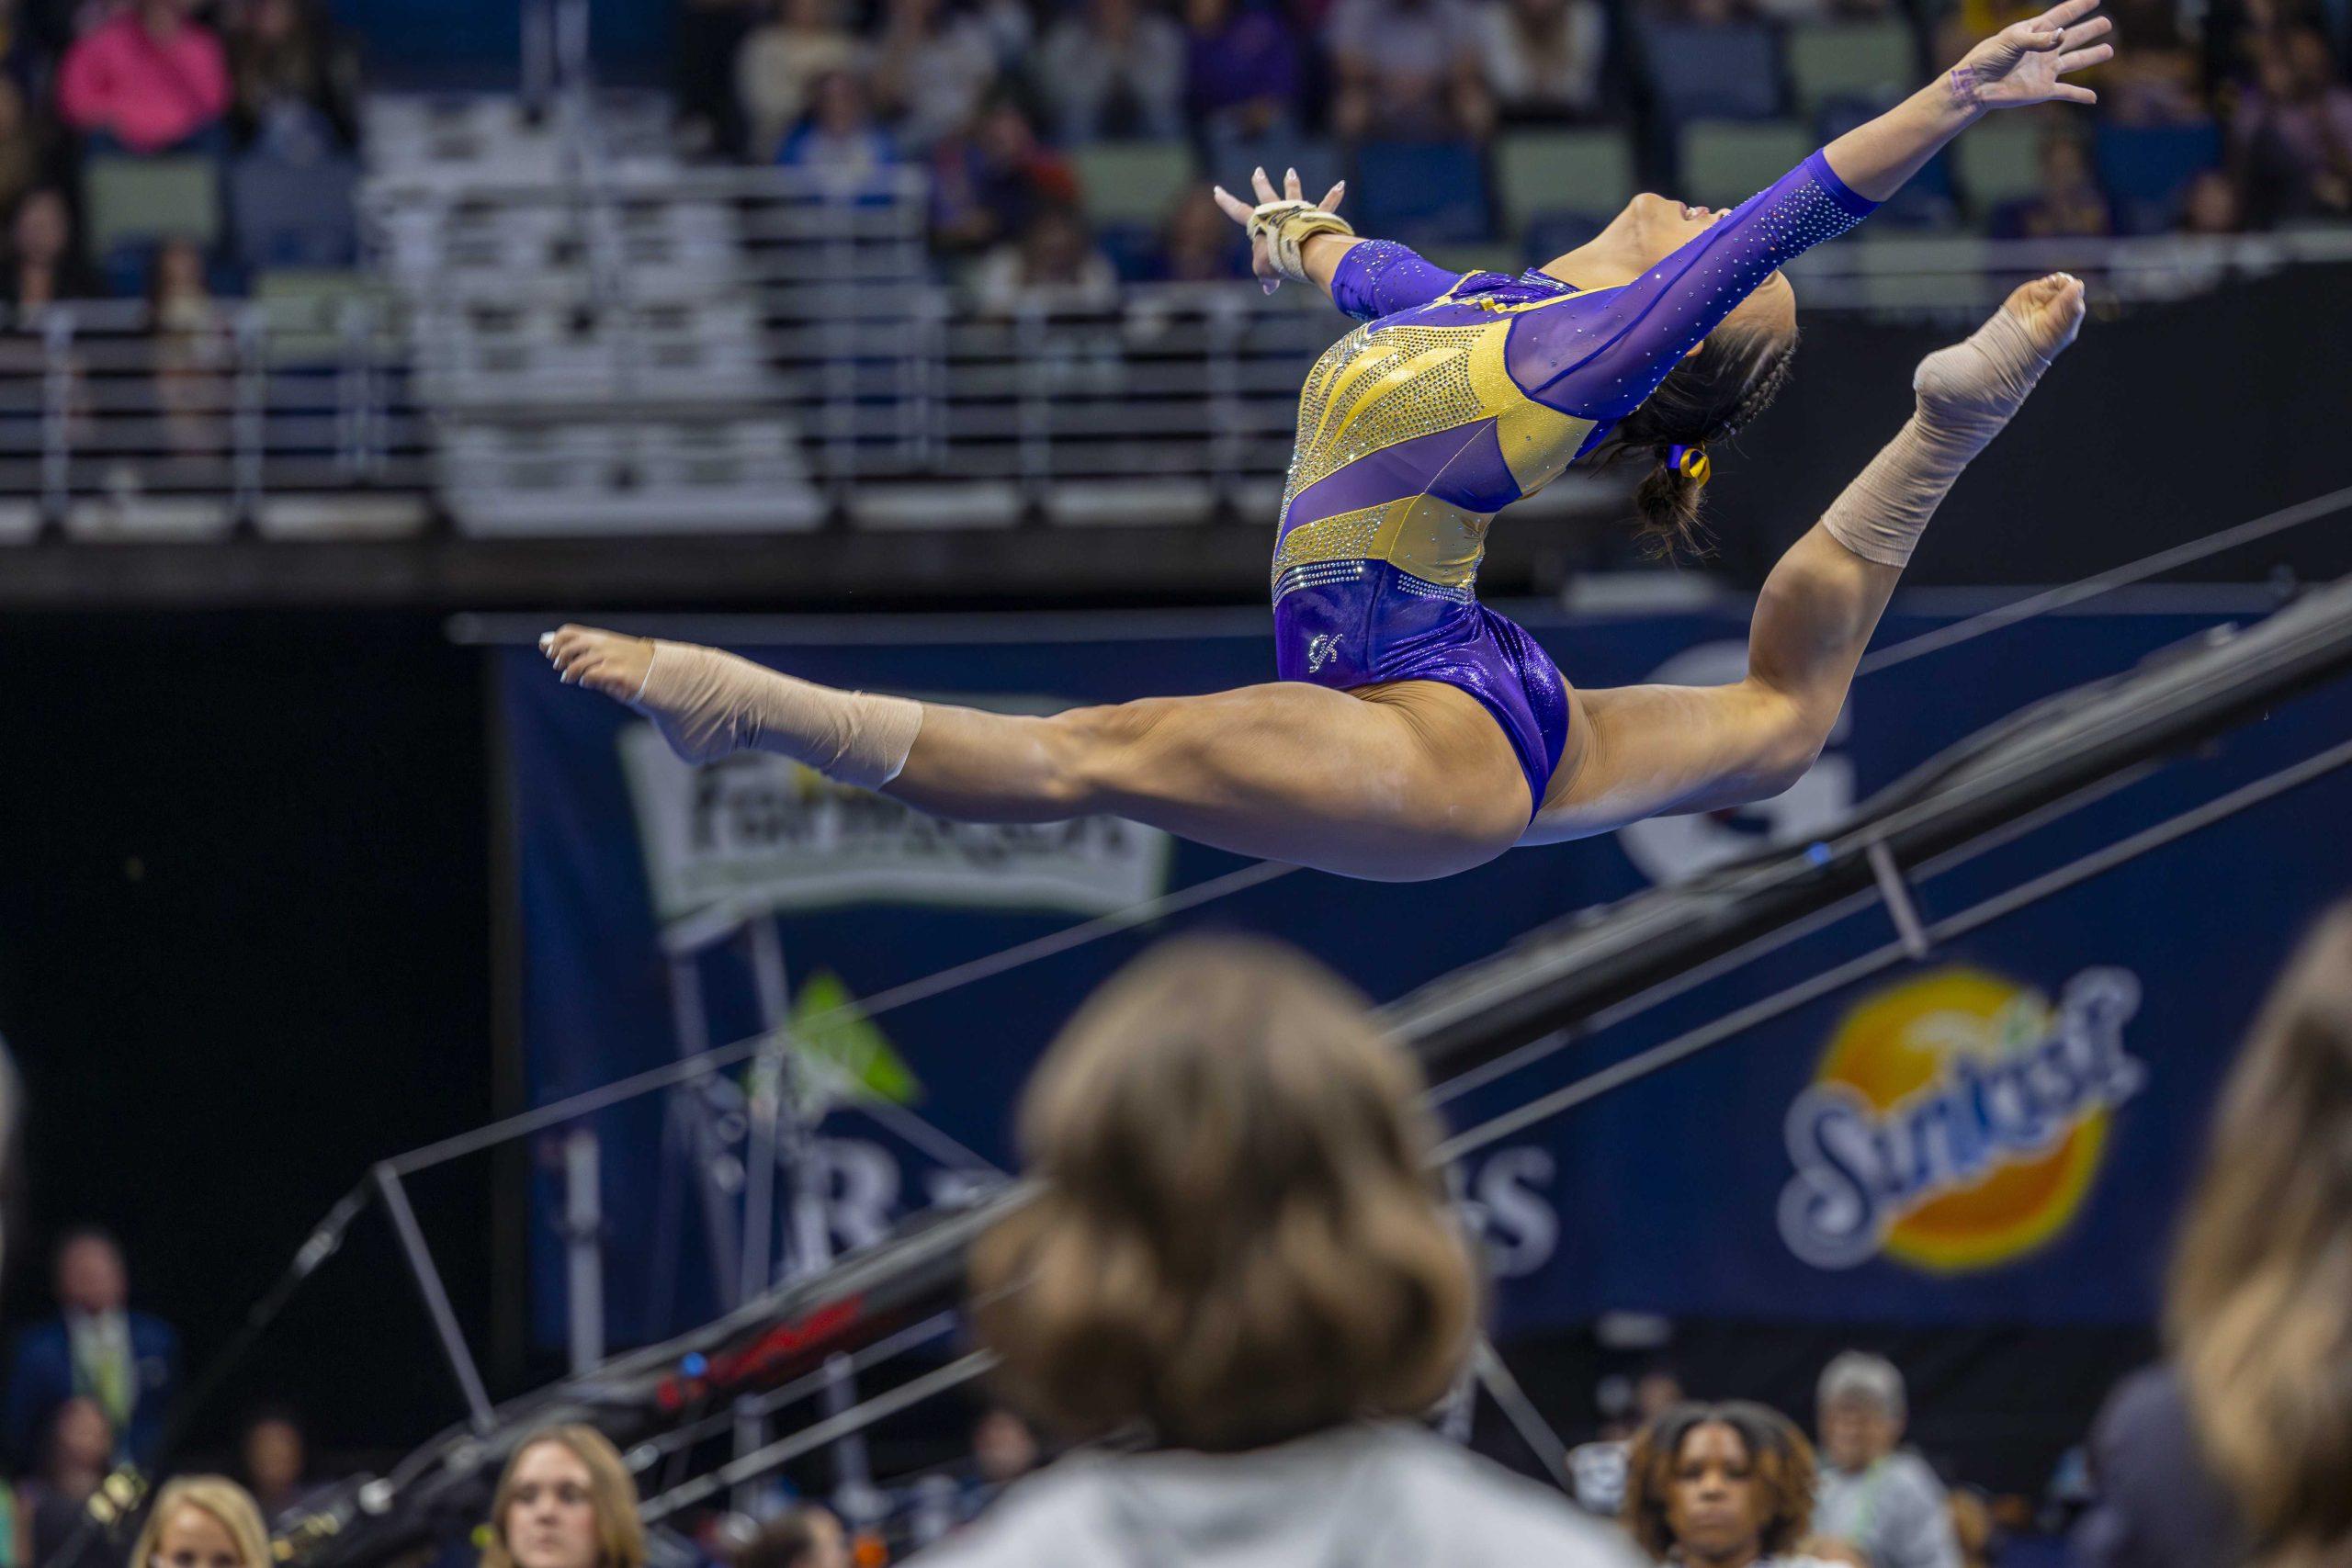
(149,93)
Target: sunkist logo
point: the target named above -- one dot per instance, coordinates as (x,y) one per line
(1957,1120)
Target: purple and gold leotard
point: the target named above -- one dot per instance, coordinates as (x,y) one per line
(1460,395)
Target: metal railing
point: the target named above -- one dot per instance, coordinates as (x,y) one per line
(289,415)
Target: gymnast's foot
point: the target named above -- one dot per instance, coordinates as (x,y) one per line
(671,683)
(1971,389)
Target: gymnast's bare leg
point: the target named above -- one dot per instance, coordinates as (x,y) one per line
(1409,780)
(1639,752)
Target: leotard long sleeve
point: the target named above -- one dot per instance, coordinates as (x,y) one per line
(1464,392)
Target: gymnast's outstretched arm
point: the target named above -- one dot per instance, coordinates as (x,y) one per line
(1641,752)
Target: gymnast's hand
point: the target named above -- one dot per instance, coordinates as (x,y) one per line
(600,660)
(1262,259)
(2021,64)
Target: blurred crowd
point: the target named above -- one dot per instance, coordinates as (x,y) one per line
(171,150)
(1072,141)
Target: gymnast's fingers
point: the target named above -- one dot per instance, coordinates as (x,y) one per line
(2083,32)
(2084,58)
(1331,198)
(2065,16)
(1290,187)
(1264,187)
(1231,205)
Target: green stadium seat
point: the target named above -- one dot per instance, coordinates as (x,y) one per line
(1925,274)
(1998,160)
(1133,182)
(129,201)
(1875,63)
(1540,173)
(1725,161)
(303,308)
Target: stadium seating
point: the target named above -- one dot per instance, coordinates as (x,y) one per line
(1867,62)
(1133,183)
(1998,160)
(1540,175)
(1723,162)
(2145,168)
(1710,73)
(129,204)
(1422,192)
(286,214)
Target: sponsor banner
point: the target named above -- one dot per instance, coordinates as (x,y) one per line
(1999,1133)
(754,833)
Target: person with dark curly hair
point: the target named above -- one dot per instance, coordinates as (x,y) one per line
(1721,1486)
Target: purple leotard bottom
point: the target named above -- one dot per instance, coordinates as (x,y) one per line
(1348,624)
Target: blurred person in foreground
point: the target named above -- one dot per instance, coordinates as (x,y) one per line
(1238,1246)
(202,1521)
(1720,1486)
(2260,1311)
(566,1500)
(2291,135)
(96,1348)
(805,1536)
(50,1503)
(1876,1496)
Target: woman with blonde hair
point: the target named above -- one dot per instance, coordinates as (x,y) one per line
(566,1500)
(1240,1253)
(2260,1316)
(202,1521)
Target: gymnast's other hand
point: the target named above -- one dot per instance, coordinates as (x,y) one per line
(601,661)
(1261,258)
(2021,64)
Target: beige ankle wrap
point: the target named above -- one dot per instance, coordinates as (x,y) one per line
(1965,395)
(708,704)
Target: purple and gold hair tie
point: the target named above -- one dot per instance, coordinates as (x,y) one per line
(1691,461)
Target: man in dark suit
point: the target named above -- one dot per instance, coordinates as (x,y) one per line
(96,1346)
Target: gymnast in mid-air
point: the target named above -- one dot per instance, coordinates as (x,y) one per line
(1414,732)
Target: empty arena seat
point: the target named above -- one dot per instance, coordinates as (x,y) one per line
(1133,182)
(1731,72)
(2145,168)
(306,311)
(1724,162)
(1232,156)
(1422,192)
(1543,173)
(287,214)
(137,201)
(1871,62)
(1998,160)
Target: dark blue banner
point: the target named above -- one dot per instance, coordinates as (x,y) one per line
(1999,1133)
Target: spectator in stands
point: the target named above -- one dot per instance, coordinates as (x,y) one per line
(202,1521)
(1237,1245)
(1054,265)
(932,70)
(151,79)
(192,351)
(566,1500)
(2212,205)
(2259,1314)
(44,267)
(1719,1487)
(2069,203)
(1881,1499)
(77,1454)
(702,51)
(2292,133)
(1200,244)
(96,1347)
(2155,77)
(1113,70)
(24,150)
(989,180)
(296,84)
(274,1462)
(798,43)
(1542,58)
(1242,69)
(807,1536)
(1407,69)
(840,144)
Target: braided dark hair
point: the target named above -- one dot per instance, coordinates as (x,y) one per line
(1712,395)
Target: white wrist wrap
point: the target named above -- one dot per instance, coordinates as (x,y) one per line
(1965,395)
(708,704)
(1288,225)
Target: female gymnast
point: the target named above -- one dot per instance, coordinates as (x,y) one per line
(1415,733)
